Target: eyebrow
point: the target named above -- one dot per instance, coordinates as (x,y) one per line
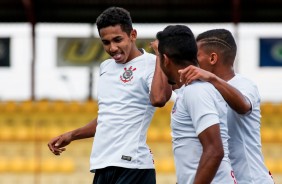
(116,37)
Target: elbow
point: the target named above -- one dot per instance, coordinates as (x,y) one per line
(158,102)
(242,112)
(220,154)
(216,154)
(244,109)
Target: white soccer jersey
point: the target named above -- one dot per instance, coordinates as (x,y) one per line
(245,140)
(197,107)
(125,112)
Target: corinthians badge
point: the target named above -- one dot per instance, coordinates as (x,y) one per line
(127,75)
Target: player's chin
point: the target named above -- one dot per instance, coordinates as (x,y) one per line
(120,61)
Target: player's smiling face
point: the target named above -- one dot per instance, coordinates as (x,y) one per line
(117,43)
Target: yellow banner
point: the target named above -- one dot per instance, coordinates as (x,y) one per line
(87,51)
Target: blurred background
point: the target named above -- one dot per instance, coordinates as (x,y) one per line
(49,57)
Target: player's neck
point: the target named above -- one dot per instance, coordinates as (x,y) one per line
(226,73)
(137,52)
(176,76)
(134,54)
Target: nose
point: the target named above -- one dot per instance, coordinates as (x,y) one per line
(113,47)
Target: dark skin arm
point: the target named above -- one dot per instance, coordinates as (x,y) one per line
(160,89)
(212,155)
(57,144)
(231,95)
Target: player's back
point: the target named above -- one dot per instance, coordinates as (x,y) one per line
(198,106)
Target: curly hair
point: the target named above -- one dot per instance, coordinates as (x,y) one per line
(179,44)
(115,16)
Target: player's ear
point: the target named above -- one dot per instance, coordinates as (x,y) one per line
(213,58)
(166,60)
(133,35)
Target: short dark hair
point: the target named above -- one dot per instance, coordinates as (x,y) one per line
(179,44)
(115,16)
(221,40)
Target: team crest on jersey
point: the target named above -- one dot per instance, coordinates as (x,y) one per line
(127,75)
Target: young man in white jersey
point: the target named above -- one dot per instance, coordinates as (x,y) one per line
(198,122)
(126,100)
(216,54)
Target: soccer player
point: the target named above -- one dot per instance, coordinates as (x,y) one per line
(198,122)
(126,100)
(216,54)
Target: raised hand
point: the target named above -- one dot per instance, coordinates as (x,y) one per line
(154,46)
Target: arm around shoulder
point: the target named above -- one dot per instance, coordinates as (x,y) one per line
(234,98)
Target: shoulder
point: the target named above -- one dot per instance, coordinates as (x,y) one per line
(247,87)
(202,96)
(242,79)
(148,61)
(149,57)
(200,91)
(106,63)
(200,87)
(239,81)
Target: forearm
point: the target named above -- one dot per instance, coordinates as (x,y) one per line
(160,89)
(231,95)
(212,154)
(208,166)
(86,131)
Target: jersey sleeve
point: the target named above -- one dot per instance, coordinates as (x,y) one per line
(201,106)
(250,92)
(252,95)
(103,65)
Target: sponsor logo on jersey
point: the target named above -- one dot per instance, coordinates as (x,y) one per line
(127,75)
(128,158)
(102,73)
